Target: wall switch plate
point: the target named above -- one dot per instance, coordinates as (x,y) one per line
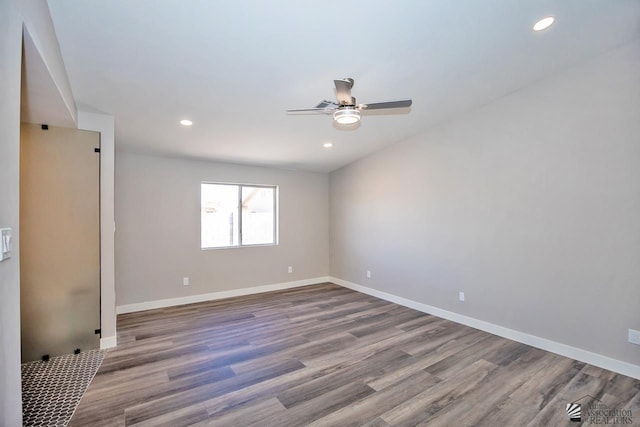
(185,281)
(5,243)
(461,296)
(368,274)
(634,336)
(290,269)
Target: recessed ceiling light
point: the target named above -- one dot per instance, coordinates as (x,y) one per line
(543,24)
(327,145)
(186,122)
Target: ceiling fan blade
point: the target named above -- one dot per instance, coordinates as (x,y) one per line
(311,110)
(323,106)
(389,104)
(327,104)
(343,91)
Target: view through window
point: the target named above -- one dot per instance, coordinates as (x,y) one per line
(237,215)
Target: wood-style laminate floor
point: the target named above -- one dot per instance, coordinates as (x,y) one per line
(323,355)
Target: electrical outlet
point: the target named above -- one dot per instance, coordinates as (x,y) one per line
(368,274)
(290,269)
(634,336)
(461,296)
(185,281)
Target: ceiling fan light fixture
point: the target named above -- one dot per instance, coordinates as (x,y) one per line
(347,116)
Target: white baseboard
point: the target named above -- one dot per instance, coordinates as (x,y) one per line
(585,356)
(108,342)
(150,305)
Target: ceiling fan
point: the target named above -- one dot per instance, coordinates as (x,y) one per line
(346,111)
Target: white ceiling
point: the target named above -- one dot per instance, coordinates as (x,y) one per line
(234,67)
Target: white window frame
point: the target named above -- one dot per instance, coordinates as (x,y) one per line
(240,186)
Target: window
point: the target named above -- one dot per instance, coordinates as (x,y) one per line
(237,215)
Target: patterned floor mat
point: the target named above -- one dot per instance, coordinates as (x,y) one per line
(52,390)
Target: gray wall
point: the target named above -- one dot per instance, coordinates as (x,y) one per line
(10,60)
(530,205)
(158,229)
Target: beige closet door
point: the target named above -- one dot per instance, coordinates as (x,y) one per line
(59,241)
